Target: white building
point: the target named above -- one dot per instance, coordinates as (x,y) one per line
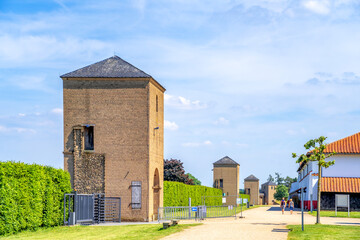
(341,178)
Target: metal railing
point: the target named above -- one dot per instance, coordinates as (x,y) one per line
(196,213)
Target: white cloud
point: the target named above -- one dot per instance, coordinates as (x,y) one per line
(221,121)
(57,111)
(22,114)
(170,125)
(243,145)
(183,103)
(16,130)
(197,144)
(318,6)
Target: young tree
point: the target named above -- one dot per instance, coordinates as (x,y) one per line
(270,178)
(316,154)
(281,192)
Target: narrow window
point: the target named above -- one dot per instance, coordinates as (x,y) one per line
(135,194)
(249,191)
(221,183)
(157,103)
(89,137)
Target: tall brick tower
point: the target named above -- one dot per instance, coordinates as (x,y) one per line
(114,135)
(226,177)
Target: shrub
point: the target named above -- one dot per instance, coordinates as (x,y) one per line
(178,194)
(31,196)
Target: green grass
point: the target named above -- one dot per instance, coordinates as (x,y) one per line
(145,231)
(339,214)
(328,232)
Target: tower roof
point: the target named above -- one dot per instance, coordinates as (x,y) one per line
(113,67)
(225,161)
(269,183)
(251,178)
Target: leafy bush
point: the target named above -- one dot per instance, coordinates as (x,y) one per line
(178,194)
(31,196)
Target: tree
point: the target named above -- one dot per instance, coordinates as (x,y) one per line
(194,179)
(270,178)
(174,171)
(316,154)
(281,192)
(279,180)
(288,181)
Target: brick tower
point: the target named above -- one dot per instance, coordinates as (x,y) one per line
(114,135)
(226,178)
(251,185)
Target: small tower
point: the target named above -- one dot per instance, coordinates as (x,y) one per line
(226,178)
(251,185)
(269,188)
(114,135)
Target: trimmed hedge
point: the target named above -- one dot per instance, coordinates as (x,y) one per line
(178,194)
(31,196)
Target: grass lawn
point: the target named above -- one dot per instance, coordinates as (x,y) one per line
(145,231)
(323,232)
(339,214)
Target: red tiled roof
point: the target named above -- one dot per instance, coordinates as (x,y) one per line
(340,184)
(349,144)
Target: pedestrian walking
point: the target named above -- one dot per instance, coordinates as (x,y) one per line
(282,205)
(291,205)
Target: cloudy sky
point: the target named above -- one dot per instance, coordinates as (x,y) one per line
(253,80)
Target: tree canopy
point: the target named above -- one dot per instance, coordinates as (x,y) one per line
(195,180)
(174,171)
(281,192)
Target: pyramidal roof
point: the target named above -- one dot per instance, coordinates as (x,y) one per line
(225,161)
(251,178)
(113,67)
(270,183)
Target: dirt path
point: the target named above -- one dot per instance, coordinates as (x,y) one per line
(259,223)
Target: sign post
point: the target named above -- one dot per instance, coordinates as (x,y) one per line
(342,200)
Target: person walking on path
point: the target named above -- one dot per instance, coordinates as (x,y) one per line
(291,205)
(282,205)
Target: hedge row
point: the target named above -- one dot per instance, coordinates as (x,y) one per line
(178,194)
(31,196)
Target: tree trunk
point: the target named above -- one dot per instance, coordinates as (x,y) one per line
(318,197)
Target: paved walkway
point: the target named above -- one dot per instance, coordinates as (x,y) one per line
(259,223)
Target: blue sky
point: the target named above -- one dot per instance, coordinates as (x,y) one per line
(253,80)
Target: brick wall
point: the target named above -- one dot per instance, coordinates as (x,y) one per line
(121,112)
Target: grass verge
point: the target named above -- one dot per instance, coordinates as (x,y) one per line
(328,232)
(339,214)
(129,232)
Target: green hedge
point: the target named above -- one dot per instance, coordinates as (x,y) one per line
(178,194)
(247,196)
(31,196)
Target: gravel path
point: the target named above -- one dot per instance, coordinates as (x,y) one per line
(259,223)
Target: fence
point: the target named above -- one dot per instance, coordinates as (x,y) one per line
(91,208)
(196,213)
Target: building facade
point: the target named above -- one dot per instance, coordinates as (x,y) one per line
(341,178)
(114,135)
(251,187)
(226,178)
(268,189)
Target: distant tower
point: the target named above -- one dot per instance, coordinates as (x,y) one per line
(114,135)
(251,185)
(226,178)
(269,188)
